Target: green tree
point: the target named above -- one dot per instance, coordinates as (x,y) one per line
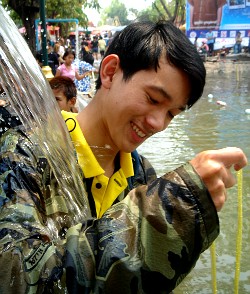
(69,9)
(173,10)
(28,11)
(117,12)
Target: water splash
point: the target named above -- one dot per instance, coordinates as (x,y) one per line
(32,99)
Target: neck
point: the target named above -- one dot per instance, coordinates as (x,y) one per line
(105,156)
(97,138)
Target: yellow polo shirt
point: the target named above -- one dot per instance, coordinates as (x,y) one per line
(104,190)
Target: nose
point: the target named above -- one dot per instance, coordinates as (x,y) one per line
(158,121)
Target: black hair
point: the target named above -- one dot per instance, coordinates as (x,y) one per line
(64,84)
(140,46)
(68,52)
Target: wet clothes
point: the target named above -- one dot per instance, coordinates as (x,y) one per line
(146,242)
(104,190)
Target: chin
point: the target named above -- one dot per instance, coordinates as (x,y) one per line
(130,148)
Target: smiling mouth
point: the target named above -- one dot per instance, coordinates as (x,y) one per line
(138,131)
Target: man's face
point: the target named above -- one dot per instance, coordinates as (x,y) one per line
(144,105)
(62,100)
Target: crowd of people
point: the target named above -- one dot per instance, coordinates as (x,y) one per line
(62,60)
(206,48)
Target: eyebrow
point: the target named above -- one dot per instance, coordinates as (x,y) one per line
(166,95)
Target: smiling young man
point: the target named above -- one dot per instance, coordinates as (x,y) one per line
(146,233)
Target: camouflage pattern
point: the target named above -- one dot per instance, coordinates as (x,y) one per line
(146,243)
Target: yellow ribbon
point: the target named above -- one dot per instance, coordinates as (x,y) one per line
(239,234)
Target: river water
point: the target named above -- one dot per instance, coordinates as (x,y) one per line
(209,125)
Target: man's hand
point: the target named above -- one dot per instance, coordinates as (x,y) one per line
(214,166)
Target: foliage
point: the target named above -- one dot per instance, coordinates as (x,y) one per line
(28,11)
(68,9)
(173,10)
(14,16)
(117,12)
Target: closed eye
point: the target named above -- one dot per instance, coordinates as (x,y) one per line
(171,115)
(151,100)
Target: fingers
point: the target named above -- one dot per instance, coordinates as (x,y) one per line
(214,168)
(218,186)
(230,156)
(219,195)
(229,179)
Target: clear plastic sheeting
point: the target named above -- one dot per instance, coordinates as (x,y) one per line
(30,96)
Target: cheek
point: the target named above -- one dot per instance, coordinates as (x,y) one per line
(167,123)
(62,104)
(59,103)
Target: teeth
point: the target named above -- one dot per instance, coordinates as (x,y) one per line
(138,131)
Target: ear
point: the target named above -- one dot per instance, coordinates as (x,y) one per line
(110,64)
(72,101)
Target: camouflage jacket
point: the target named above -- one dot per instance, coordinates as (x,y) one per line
(145,243)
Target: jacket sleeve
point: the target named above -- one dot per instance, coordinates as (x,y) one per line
(155,234)
(148,242)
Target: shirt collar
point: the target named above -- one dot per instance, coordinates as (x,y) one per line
(86,158)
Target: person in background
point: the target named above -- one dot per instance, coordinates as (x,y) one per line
(102,46)
(53,61)
(84,85)
(210,42)
(145,233)
(61,46)
(65,93)
(106,39)
(86,54)
(222,54)
(57,51)
(237,45)
(72,42)
(94,47)
(204,49)
(68,69)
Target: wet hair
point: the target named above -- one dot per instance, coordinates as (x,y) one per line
(69,52)
(140,46)
(64,84)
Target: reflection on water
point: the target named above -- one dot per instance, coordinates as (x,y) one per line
(208,126)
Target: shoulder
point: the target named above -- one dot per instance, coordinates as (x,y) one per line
(86,66)
(62,66)
(144,173)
